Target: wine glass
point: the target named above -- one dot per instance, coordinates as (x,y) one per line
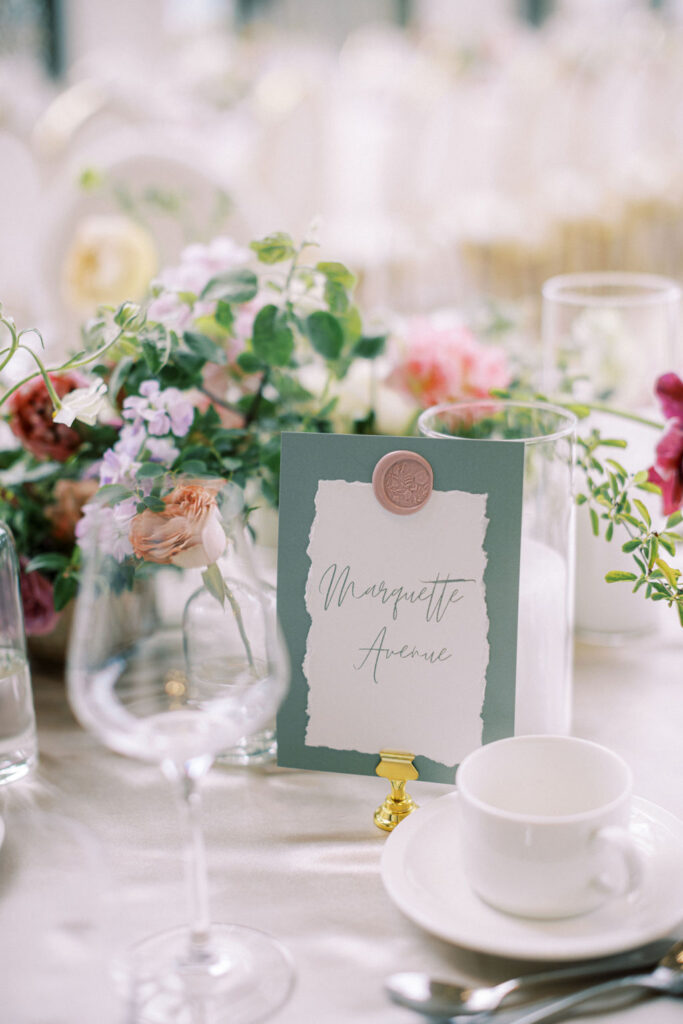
(173,665)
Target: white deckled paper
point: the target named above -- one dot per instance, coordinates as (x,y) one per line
(397,650)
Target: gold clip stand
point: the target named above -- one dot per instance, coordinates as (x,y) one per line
(396,766)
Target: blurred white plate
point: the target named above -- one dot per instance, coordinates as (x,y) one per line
(423,874)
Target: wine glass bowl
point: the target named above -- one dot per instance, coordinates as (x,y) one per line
(173,665)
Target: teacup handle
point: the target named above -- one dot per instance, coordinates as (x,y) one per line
(622,842)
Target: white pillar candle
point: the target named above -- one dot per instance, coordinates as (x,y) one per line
(543,689)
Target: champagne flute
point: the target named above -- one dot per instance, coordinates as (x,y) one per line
(172,670)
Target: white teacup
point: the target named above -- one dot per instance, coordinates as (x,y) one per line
(544,825)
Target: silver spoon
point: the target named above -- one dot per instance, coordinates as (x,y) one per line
(419,992)
(666,978)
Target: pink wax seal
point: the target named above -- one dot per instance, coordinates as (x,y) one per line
(402,482)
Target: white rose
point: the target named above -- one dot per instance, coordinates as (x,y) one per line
(110,259)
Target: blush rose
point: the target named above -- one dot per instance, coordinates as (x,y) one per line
(188,533)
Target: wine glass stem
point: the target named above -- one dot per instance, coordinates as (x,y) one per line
(196,868)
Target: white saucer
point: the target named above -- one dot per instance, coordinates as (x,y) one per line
(422,872)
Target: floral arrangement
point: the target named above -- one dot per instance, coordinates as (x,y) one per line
(195,384)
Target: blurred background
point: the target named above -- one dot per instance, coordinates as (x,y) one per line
(454,152)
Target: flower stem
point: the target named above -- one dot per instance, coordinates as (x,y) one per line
(603,407)
(237,612)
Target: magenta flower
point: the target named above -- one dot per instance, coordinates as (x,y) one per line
(667,471)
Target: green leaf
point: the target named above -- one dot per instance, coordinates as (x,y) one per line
(250,363)
(214,582)
(674,519)
(8,458)
(272,340)
(643,511)
(274,248)
(325,333)
(50,561)
(609,531)
(149,470)
(582,411)
(65,589)
(618,468)
(680,611)
(153,503)
(581,499)
(224,315)
(336,297)
(670,573)
(151,356)
(668,546)
(651,488)
(369,347)
(204,347)
(595,522)
(613,442)
(617,576)
(337,272)
(193,467)
(232,286)
(630,545)
(111,494)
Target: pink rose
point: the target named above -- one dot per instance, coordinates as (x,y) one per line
(38,601)
(188,533)
(445,363)
(31,418)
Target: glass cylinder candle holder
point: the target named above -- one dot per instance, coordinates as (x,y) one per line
(546,575)
(18,744)
(606,338)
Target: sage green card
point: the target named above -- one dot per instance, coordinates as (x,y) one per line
(401,628)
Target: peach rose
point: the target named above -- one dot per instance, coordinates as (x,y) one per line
(70,497)
(188,533)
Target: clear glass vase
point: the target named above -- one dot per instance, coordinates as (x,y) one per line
(546,580)
(606,338)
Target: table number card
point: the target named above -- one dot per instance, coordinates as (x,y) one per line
(397,593)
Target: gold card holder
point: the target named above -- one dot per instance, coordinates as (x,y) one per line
(396,766)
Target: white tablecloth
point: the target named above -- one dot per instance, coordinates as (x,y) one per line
(92,859)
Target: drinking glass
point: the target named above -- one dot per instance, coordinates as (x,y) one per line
(18,745)
(546,567)
(606,339)
(173,670)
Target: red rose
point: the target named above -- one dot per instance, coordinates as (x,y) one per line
(38,600)
(31,413)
